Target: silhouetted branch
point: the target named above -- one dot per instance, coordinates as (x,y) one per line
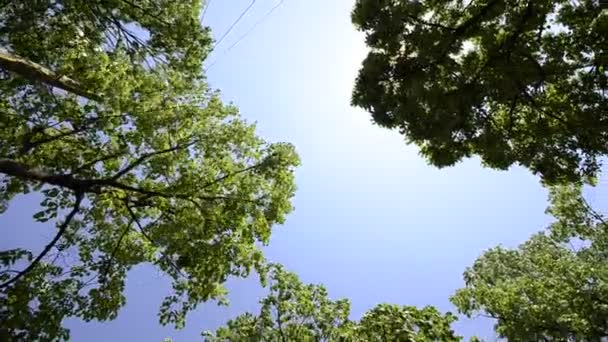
(113,255)
(49,246)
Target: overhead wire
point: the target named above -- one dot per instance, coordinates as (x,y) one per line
(254,26)
(249,31)
(207,3)
(234,24)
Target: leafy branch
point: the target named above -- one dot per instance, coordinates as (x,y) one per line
(38,73)
(62,228)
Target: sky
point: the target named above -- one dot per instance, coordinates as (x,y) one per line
(372,221)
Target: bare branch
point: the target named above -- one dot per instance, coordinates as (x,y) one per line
(9,271)
(593,212)
(62,228)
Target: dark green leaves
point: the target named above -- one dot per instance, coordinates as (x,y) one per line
(388,322)
(514,82)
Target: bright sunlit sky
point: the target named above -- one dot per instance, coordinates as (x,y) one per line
(373,221)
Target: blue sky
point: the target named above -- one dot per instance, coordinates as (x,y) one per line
(373,221)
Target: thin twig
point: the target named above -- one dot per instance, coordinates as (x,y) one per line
(145,12)
(113,255)
(50,245)
(423,22)
(144,234)
(146,156)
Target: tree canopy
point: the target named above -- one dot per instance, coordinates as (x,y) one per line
(294,311)
(107,119)
(513,82)
(554,287)
(105,113)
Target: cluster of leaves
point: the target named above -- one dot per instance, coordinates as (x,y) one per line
(554,287)
(105,112)
(513,82)
(294,311)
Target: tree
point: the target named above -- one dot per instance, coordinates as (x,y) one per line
(513,82)
(293,311)
(554,287)
(105,112)
(390,322)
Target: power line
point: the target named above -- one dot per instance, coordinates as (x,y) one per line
(207,3)
(256,25)
(251,29)
(234,24)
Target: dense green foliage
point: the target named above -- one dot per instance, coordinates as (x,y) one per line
(106,117)
(554,287)
(294,311)
(514,82)
(104,111)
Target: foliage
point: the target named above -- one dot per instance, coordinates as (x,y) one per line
(513,82)
(554,287)
(105,112)
(292,311)
(297,312)
(389,322)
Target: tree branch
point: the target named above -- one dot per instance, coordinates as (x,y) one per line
(50,245)
(110,261)
(145,12)
(145,235)
(30,145)
(545,112)
(223,178)
(88,124)
(592,211)
(423,22)
(15,169)
(98,160)
(38,73)
(512,107)
(462,29)
(280,324)
(146,156)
